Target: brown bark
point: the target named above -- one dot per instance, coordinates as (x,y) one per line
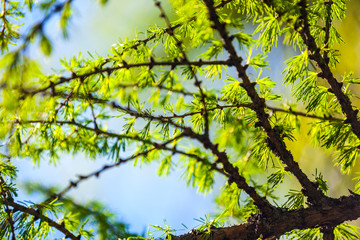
(342,209)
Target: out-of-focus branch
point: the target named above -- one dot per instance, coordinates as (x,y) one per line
(36,214)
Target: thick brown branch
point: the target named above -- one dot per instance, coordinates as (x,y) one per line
(272,227)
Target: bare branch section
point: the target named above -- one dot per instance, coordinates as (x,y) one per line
(275,142)
(272,227)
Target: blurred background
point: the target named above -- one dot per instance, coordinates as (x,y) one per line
(137,195)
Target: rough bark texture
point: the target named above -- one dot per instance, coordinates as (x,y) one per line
(342,209)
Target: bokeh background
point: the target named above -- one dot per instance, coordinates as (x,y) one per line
(136,194)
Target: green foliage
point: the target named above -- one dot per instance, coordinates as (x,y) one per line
(342,231)
(221,115)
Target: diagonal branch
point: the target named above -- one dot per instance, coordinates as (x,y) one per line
(81,178)
(157,146)
(326,73)
(232,171)
(9,201)
(275,141)
(36,214)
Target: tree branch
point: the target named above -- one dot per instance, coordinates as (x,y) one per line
(233,172)
(125,65)
(114,105)
(36,214)
(326,73)
(276,143)
(81,178)
(302,114)
(272,227)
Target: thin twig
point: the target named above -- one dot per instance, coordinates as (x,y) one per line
(327,28)
(303,114)
(119,161)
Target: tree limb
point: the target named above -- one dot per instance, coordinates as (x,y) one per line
(272,227)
